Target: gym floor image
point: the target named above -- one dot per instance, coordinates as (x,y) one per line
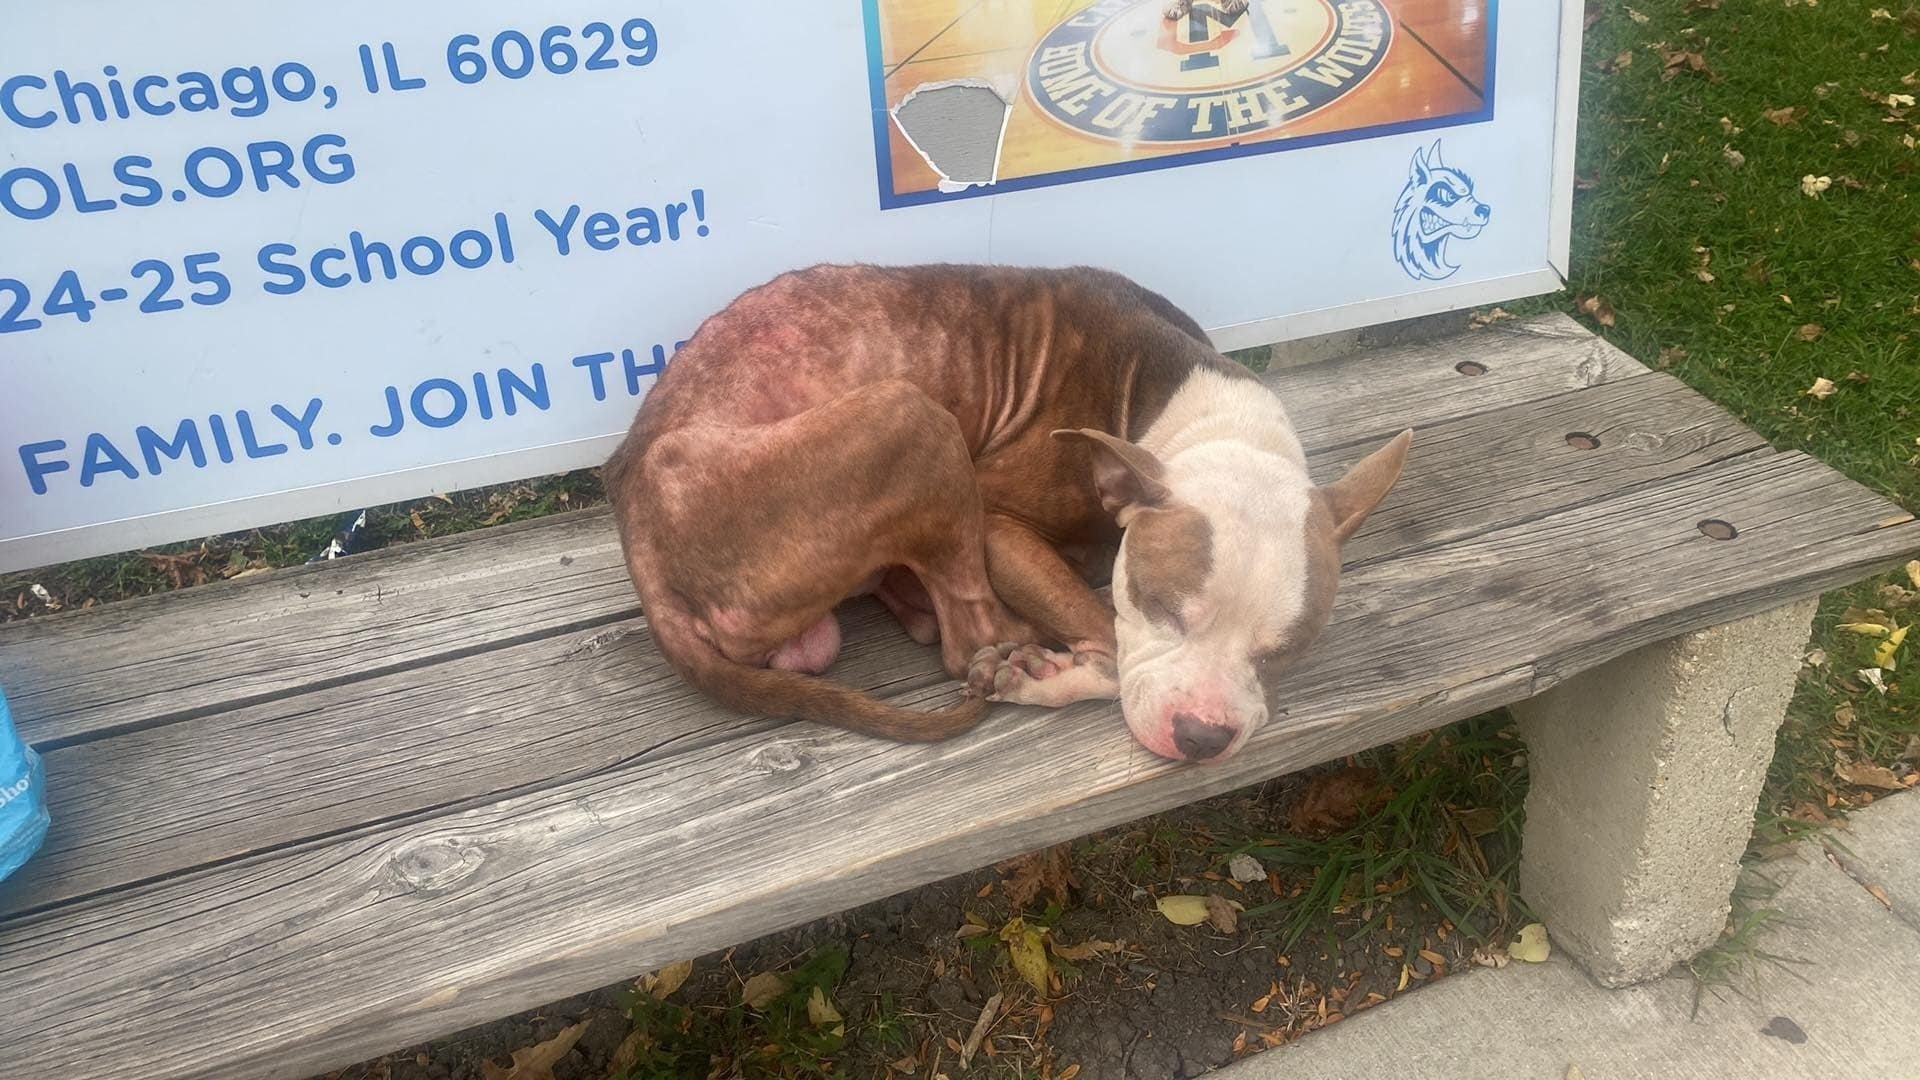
(979,94)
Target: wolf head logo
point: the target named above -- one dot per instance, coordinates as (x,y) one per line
(1436,206)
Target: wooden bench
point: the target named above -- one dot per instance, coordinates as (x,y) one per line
(315,815)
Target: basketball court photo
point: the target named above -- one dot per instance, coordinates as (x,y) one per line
(973,96)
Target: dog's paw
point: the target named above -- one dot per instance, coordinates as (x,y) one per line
(1031,675)
(997,672)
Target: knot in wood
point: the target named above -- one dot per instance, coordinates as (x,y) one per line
(779,758)
(593,644)
(434,864)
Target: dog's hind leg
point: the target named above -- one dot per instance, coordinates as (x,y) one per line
(761,530)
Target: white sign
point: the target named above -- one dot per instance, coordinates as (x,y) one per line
(266,261)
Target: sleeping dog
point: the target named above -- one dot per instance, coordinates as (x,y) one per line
(945,437)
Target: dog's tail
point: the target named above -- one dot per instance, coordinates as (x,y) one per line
(791,695)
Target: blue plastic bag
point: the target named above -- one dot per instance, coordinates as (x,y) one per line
(23,797)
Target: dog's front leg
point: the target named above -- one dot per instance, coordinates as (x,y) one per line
(1033,580)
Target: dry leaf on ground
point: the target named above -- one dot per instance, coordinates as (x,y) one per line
(1027,876)
(1783,116)
(820,1009)
(1335,800)
(1880,894)
(1221,915)
(1822,388)
(1868,774)
(1809,331)
(1597,308)
(536,1062)
(762,990)
(1531,945)
(661,984)
(1184,910)
(1028,948)
(1245,868)
(1086,950)
(1811,186)
(1883,653)
(1913,573)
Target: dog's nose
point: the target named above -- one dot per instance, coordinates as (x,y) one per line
(1198,740)
(1483,211)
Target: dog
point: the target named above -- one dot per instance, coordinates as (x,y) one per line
(975,445)
(1436,205)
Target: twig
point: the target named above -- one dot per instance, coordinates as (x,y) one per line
(979,1029)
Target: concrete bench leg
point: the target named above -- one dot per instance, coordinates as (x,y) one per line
(1644,776)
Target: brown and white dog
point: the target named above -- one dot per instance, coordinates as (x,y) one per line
(949,438)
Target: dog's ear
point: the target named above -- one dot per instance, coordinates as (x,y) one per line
(1417,174)
(1352,497)
(1433,156)
(1127,477)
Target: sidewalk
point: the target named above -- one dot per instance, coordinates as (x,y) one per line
(1852,1009)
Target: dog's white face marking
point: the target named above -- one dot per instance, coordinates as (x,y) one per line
(1227,571)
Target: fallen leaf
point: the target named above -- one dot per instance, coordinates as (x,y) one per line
(1880,894)
(1822,388)
(1883,655)
(1481,820)
(1492,956)
(1734,157)
(1913,573)
(1636,16)
(1843,716)
(1809,331)
(1531,945)
(1049,870)
(1864,629)
(1433,958)
(1781,117)
(628,1054)
(762,990)
(536,1062)
(1869,775)
(1811,186)
(1244,867)
(1488,318)
(1703,5)
(1086,950)
(1184,910)
(1220,913)
(1598,308)
(971,930)
(820,1010)
(1677,60)
(1704,274)
(1028,947)
(1817,658)
(1068,1073)
(661,984)
(908,1065)
(1880,13)
(1406,976)
(1874,678)
(1335,800)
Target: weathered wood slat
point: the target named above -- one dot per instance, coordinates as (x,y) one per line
(159,801)
(82,674)
(517,902)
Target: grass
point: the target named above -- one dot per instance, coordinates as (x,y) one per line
(1438,820)
(1697,250)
